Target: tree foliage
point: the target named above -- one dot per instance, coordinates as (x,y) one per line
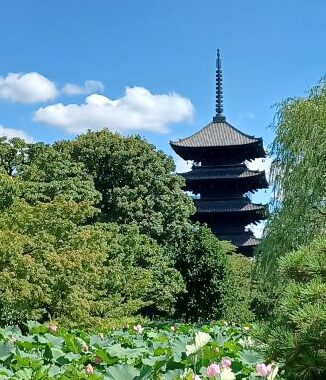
(204,267)
(52,265)
(136,184)
(298,333)
(299,176)
(99,227)
(240,291)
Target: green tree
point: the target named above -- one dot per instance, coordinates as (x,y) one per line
(12,154)
(136,184)
(54,265)
(239,292)
(299,176)
(204,266)
(298,333)
(48,173)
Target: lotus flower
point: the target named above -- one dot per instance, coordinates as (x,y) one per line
(89,369)
(53,328)
(139,329)
(196,377)
(213,370)
(263,370)
(226,363)
(227,374)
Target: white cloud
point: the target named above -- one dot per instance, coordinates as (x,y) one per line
(138,109)
(257,229)
(27,88)
(89,87)
(261,164)
(182,165)
(10,133)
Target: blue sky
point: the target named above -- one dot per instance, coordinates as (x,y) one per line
(270,50)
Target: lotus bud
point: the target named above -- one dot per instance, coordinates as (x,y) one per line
(53,328)
(226,363)
(89,369)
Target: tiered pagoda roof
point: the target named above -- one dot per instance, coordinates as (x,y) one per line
(229,205)
(221,177)
(217,136)
(249,179)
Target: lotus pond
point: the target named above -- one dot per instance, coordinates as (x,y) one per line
(165,351)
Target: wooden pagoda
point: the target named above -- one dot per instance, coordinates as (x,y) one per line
(220,177)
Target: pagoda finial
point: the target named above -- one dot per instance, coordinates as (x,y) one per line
(219,90)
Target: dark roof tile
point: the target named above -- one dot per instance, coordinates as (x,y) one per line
(207,173)
(226,205)
(216,134)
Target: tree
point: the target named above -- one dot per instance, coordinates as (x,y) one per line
(299,175)
(297,336)
(204,266)
(54,265)
(136,184)
(12,154)
(47,173)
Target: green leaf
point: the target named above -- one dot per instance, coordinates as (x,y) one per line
(250,357)
(5,350)
(122,372)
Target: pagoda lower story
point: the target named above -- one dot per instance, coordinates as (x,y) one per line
(222,205)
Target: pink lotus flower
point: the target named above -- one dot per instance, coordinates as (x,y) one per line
(213,370)
(53,328)
(139,329)
(89,369)
(263,370)
(196,377)
(226,363)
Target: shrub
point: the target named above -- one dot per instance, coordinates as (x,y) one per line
(204,267)
(238,295)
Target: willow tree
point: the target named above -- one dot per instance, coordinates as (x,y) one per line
(299,176)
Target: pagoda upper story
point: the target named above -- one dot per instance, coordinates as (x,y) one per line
(221,178)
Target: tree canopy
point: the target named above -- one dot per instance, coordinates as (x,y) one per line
(99,227)
(299,176)
(136,183)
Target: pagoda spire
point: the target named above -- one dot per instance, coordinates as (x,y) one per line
(219,90)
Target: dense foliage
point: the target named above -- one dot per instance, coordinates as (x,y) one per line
(97,228)
(54,266)
(298,333)
(151,353)
(204,267)
(136,184)
(299,176)
(241,292)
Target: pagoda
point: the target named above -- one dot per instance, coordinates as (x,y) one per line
(220,178)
